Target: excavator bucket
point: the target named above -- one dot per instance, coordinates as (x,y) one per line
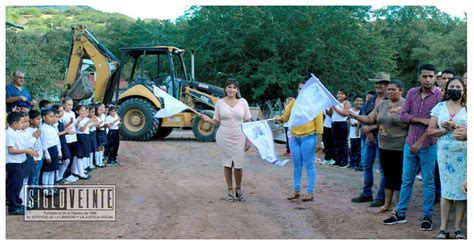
(81,89)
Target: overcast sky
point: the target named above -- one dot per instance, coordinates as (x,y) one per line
(171,9)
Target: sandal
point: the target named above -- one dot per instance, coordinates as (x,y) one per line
(459,234)
(239,195)
(442,234)
(293,195)
(382,210)
(307,197)
(230,195)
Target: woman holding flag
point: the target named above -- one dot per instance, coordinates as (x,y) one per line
(302,146)
(229,113)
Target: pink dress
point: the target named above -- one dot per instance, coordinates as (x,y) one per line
(229,137)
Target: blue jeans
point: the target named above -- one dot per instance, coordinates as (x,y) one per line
(369,153)
(303,152)
(35,179)
(426,157)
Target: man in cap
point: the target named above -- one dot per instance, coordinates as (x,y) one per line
(370,149)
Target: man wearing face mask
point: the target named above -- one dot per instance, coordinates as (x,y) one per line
(419,148)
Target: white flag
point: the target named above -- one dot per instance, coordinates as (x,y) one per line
(312,100)
(260,134)
(171,105)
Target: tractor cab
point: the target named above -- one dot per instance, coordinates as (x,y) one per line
(162,66)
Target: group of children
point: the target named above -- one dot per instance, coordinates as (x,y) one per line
(57,145)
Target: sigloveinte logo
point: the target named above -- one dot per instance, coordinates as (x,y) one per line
(70,203)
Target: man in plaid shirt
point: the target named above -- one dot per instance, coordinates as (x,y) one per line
(419,148)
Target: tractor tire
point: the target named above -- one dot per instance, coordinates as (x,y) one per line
(162,133)
(138,118)
(204,131)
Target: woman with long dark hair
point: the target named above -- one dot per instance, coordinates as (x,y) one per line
(446,117)
(229,113)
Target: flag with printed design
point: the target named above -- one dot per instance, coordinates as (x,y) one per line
(260,135)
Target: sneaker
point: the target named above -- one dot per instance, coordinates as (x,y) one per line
(344,166)
(395,219)
(83,177)
(70,179)
(376,203)
(17,211)
(426,224)
(112,162)
(362,198)
(332,161)
(442,234)
(459,234)
(326,162)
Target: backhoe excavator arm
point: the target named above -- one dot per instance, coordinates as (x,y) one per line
(107,67)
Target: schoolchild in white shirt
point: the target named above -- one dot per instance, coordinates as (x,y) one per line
(92,136)
(51,149)
(28,165)
(66,153)
(69,120)
(113,141)
(35,131)
(101,135)
(15,155)
(83,143)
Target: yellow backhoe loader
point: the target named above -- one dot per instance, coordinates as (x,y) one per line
(161,66)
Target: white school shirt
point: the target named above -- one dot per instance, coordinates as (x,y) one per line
(101,120)
(109,119)
(92,126)
(37,147)
(70,138)
(28,141)
(352,132)
(81,124)
(327,120)
(13,139)
(49,138)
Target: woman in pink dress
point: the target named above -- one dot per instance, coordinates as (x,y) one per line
(229,114)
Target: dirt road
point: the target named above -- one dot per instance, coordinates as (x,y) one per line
(172,189)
